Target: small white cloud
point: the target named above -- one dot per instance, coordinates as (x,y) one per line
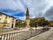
(22,18)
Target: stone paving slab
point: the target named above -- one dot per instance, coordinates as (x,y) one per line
(43,36)
(50,37)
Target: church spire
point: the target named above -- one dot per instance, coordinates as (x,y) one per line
(27,18)
(27,14)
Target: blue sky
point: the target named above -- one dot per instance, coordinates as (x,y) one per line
(37,8)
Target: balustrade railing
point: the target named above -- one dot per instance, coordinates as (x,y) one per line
(18,35)
(11,35)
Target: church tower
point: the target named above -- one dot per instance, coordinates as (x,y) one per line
(27,18)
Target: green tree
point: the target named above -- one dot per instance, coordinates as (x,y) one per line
(43,23)
(33,24)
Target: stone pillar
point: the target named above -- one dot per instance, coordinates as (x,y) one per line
(14,23)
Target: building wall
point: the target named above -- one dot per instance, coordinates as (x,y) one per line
(2,18)
(14,23)
(9,20)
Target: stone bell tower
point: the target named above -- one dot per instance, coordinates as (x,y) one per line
(27,18)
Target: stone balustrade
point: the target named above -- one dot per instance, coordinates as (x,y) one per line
(19,35)
(10,35)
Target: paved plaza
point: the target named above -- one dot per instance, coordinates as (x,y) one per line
(44,36)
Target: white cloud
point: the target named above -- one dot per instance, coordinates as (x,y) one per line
(22,18)
(37,8)
(12,5)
